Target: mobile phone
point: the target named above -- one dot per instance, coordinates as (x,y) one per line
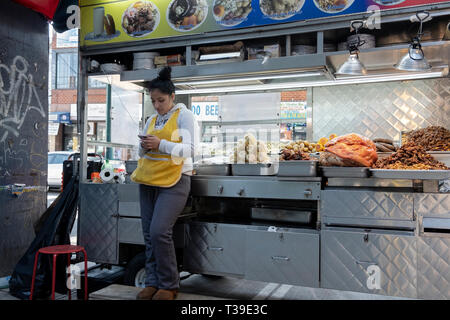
(142,136)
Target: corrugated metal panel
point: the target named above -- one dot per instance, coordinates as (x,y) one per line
(382,109)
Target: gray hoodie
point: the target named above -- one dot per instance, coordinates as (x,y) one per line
(189,133)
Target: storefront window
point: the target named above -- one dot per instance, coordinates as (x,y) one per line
(66,70)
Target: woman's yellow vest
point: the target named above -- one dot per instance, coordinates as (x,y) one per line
(154,168)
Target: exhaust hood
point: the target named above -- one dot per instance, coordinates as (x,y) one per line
(298,71)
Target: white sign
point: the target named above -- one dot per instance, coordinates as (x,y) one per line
(53,128)
(96,111)
(205,111)
(374,277)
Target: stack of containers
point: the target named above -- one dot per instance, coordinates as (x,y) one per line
(144,60)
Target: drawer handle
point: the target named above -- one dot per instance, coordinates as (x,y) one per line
(280,258)
(215,248)
(307,192)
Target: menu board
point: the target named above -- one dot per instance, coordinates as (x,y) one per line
(104,22)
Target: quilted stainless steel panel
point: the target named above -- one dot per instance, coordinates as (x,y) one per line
(347,255)
(381,109)
(130,231)
(215,248)
(360,207)
(97,226)
(433,268)
(432,205)
(283,256)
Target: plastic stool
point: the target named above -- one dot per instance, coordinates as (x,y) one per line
(55,251)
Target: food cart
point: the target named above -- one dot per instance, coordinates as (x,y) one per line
(295,222)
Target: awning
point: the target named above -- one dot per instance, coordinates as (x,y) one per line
(55,10)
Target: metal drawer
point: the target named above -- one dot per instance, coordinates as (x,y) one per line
(433,267)
(256,188)
(369,261)
(367,208)
(432,205)
(286,256)
(215,248)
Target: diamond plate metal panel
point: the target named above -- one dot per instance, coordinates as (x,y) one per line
(432,205)
(217,248)
(367,204)
(433,268)
(97,227)
(283,257)
(382,109)
(346,256)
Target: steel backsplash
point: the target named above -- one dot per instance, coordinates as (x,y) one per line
(381,109)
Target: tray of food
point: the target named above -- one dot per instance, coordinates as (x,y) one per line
(410,174)
(212,169)
(344,172)
(442,156)
(410,161)
(254,169)
(297,168)
(432,138)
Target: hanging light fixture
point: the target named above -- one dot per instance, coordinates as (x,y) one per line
(415,59)
(353,66)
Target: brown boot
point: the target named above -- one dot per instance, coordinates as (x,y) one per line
(147,293)
(165,294)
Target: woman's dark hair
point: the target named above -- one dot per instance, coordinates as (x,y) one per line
(163,82)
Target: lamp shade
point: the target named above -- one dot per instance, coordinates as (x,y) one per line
(353,66)
(414,60)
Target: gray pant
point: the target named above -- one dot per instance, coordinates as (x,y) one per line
(160,208)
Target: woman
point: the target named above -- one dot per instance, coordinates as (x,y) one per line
(163,172)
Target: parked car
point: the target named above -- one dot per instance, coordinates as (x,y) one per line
(55,167)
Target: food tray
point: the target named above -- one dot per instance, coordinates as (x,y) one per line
(411,174)
(345,172)
(254,169)
(213,170)
(442,156)
(297,168)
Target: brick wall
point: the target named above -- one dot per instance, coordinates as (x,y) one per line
(62,99)
(293,96)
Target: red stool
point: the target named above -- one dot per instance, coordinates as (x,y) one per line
(55,251)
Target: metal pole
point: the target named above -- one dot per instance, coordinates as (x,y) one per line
(109,154)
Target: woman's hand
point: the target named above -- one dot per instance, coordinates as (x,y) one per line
(150,142)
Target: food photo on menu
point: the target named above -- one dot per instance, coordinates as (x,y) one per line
(104,26)
(333,6)
(280,9)
(230,13)
(388,2)
(187,15)
(140,19)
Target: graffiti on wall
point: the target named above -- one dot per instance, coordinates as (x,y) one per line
(18,99)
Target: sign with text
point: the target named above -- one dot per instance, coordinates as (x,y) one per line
(205,111)
(295,110)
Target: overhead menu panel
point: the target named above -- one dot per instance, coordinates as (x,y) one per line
(107,21)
